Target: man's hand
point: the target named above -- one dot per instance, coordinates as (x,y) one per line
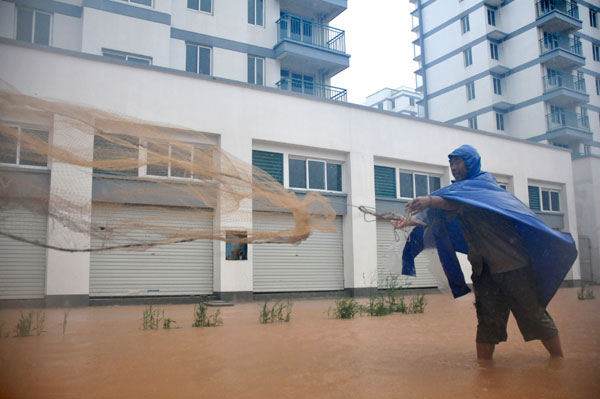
(400,223)
(418,204)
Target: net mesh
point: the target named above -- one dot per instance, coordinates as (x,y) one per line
(163,168)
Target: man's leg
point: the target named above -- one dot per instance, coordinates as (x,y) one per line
(485,351)
(553,346)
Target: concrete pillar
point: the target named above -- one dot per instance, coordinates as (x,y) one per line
(68,273)
(233,278)
(360,237)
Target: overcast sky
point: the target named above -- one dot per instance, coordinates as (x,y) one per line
(379,41)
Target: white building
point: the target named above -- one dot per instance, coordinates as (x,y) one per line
(402,100)
(521,68)
(379,158)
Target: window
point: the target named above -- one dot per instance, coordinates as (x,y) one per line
(499,121)
(24,147)
(473,122)
(491,15)
(119,55)
(320,175)
(109,147)
(256,12)
(270,162)
(33,26)
(468,55)
(503,186)
(598,86)
(200,5)
(298,83)
(256,70)
(497,86)
(593,18)
(197,59)
(494,51)
(464,24)
(385,182)
(550,199)
(411,100)
(417,184)
(142,2)
(178,160)
(470,91)
(596,52)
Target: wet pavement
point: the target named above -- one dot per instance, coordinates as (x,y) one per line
(105,354)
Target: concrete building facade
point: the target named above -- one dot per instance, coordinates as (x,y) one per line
(402,100)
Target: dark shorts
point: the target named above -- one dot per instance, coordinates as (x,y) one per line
(496,295)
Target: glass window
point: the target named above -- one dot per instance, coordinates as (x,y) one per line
(545,200)
(256,12)
(406,185)
(119,55)
(418,184)
(468,56)
(596,52)
(334,177)
(435,183)
(116,147)
(158,159)
(470,91)
(598,86)
(555,201)
(497,86)
(197,59)
(473,122)
(201,5)
(297,173)
(33,26)
(491,14)
(421,185)
(24,147)
(499,121)
(593,19)
(9,146)
(316,175)
(255,70)
(464,24)
(494,51)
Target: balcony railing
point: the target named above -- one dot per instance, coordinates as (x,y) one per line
(566,7)
(558,119)
(306,31)
(564,80)
(552,41)
(313,89)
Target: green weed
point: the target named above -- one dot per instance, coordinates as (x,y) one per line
(279,312)
(202,319)
(417,304)
(345,308)
(167,321)
(25,326)
(150,319)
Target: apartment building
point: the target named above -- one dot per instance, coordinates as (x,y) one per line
(402,100)
(521,68)
(256,85)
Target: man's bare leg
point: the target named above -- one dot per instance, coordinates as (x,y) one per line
(553,346)
(485,351)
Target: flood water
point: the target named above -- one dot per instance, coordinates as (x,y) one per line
(105,354)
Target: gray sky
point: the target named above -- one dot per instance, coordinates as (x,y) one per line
(379,40)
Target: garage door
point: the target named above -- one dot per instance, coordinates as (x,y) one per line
(22,266)
(385,238)
(175,269)
(316,264)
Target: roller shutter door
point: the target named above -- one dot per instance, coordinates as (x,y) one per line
(175,269)
(22,266)
(316,264)
(385,238)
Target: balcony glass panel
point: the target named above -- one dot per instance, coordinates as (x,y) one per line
(306,31)
(544,7)
(314,89)
(564,80)
(564,118)
(552,41)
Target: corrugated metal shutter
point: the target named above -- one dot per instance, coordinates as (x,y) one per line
(385,238)
(270,162)
(22,266)
(316,264)
(385,182)
(176,269)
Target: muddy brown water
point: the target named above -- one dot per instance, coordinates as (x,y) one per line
(105,354)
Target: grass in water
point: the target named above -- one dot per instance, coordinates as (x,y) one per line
(279,312)
(203,319)
(167,321)
(26,326)
(345,308)
(66,315)
(150,318)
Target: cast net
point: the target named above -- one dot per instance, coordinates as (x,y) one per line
(102,160)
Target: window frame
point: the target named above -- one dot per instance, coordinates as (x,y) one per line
(593,18)
(143,154)
(255,59)
(472,122)
(198,46)
(325,163)
(256,13)
(596,52)
(494,54)
(136,4)
(598,86)
(199,9)
(464,24)
(497,83)
(491,17)
(429,176)
(18,157)
(468,57)
(470,87)
(499,121)
(540,192)
(126,55)
(33,24)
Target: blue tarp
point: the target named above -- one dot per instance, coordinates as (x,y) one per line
(551,253)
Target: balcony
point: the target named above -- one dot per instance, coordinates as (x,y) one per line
(310,46)
(313,89)
(560,51)
(321,10)
(494,3)
(566,128)
(565,90)
(558,16)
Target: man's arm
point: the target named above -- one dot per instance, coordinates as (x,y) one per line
(421,203)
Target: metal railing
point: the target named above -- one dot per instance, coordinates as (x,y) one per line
(306,31)
(564,80)
(544,7)
(558,119)
(313,89)
(560,41)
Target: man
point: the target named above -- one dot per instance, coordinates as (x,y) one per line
(510,250)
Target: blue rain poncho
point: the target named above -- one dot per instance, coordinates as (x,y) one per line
(551,253)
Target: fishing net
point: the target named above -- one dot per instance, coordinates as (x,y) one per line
(164,168)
